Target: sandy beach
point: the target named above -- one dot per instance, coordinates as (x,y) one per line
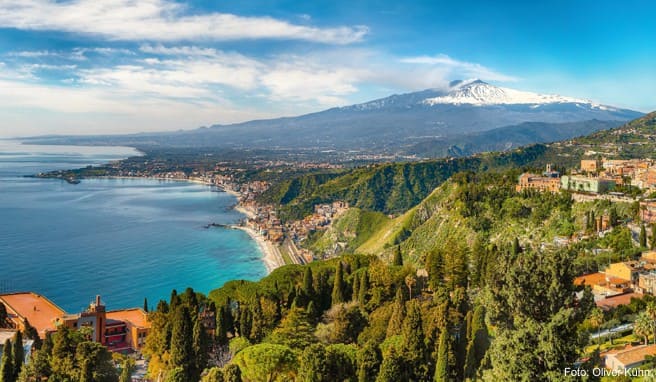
(270,254)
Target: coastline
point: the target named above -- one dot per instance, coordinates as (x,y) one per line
(270,254)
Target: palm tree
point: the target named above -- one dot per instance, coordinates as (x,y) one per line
(596,320)
(642,326)
(651,312)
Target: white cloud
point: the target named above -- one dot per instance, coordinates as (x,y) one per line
(159,20)
(444,67)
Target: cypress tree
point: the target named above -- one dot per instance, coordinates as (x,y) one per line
(257,321)
(174,301)
(480,341)
(652,243)
(395,324)
(32,334)
(593,221)
(221,327)
(200,348)
(291,297)
(7,363)
(308,283)
(145,307)
(442,365)
(398,257)
(162,307)
(393,368)
(192,301)
(181,341)
(414,348)
(312,312)
(338,294)
(356,287)
(368,361)
(643,236)
(245,322)
(18,353)
(364,288)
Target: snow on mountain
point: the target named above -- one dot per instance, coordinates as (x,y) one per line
(477,92)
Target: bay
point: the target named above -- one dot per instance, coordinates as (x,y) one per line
(125,239)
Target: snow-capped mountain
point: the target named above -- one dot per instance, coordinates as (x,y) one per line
(402,121)
(477,92)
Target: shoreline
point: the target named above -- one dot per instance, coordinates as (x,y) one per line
(270,254)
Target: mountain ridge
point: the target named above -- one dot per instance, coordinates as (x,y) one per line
(390,125)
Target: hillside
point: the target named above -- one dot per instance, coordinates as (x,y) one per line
(390,188)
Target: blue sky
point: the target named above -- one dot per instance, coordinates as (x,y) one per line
(115,66)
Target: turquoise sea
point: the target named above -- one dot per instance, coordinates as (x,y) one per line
(125,239)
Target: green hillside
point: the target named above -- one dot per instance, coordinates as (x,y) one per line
(349,231)
(391,188)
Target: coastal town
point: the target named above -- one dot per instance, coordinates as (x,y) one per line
(614,285)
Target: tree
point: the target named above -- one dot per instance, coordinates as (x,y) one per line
(478,343)
(3,315)
(266,362)
(215,374)
(395,324)
(257,321)
(200,349)
(295,330)
(442,364)
(145,306)
(650,309)
(398,257)
(126,372)
(232,373)
(364,288)
(308,281)
(414,349)
(597,320)
(32,334)
(339,288)
(18,353)
(531,301)
(643,236)
(178,374)
(7,363)
(369,358)
(99,359)
(642,326)
(393,368)
(221,326)
(182,355)
(313,366)
(652,242)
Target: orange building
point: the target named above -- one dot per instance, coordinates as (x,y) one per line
(529,181)
(119,330)
(590,165)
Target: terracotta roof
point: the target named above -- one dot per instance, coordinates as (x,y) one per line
(40,312)
(598,279)
(615,301)
(634,354)
(136,316)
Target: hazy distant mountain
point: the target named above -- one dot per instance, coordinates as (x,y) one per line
(398,123)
